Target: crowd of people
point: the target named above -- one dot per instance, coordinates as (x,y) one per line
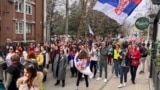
(26,67)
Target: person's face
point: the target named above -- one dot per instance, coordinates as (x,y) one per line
(8,40)
(74,49)
(82,47)
(42,48)
(134,46)
(103,44)
(38,44)
(61,51)
(27,74)
(31,45)
(94,46)
(129,46)
(37,52)
(11,49)
(17,52)
(117,47)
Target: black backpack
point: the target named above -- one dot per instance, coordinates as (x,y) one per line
(44,58)
(144,52)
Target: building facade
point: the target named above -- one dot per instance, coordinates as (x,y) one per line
(21,20)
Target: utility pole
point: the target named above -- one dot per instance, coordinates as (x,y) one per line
(44,21)
(24,21)
(66,21)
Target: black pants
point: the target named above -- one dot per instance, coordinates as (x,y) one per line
(133,72)
(124,71)
(94,64)
(73,71)
(79,78)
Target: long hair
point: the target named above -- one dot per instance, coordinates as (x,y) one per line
(32,70)
(83,55)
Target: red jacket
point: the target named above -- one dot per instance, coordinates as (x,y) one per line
(135,57)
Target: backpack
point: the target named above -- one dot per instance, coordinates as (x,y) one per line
(144,52)
(44,58)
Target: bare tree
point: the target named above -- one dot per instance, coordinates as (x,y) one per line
(83,16)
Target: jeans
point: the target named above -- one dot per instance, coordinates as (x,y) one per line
(133,72)
(143,59)
(103,64)
(117,67)
(123,75)
(98,66)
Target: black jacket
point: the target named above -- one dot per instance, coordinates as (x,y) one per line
(14,70)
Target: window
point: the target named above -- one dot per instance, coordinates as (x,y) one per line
(28,28)
(19,27)
(28,9)
(19,6)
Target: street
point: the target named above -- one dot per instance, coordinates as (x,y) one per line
(71,82)
(142,82)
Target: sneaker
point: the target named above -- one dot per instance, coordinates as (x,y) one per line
(98,78)
(115,76)
(105,80)
(76,88)
(83,76)
(120,86)
(124,84)
(141,72)
(98,71)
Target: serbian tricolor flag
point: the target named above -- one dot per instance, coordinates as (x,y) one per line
(118,10)
(82,66)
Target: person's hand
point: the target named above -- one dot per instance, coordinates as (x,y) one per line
(133,57)
(25,79)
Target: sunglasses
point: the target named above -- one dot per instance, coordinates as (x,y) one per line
(10,48)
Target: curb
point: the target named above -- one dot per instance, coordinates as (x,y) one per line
(151,86)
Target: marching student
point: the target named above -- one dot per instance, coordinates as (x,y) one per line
(84,62)
(31,80)
(124,68)
(94,54)
(60,65)
(135,61)
(103,61)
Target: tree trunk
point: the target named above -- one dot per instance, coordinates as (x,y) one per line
(83,15)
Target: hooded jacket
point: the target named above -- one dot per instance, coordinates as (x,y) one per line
(36,83)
